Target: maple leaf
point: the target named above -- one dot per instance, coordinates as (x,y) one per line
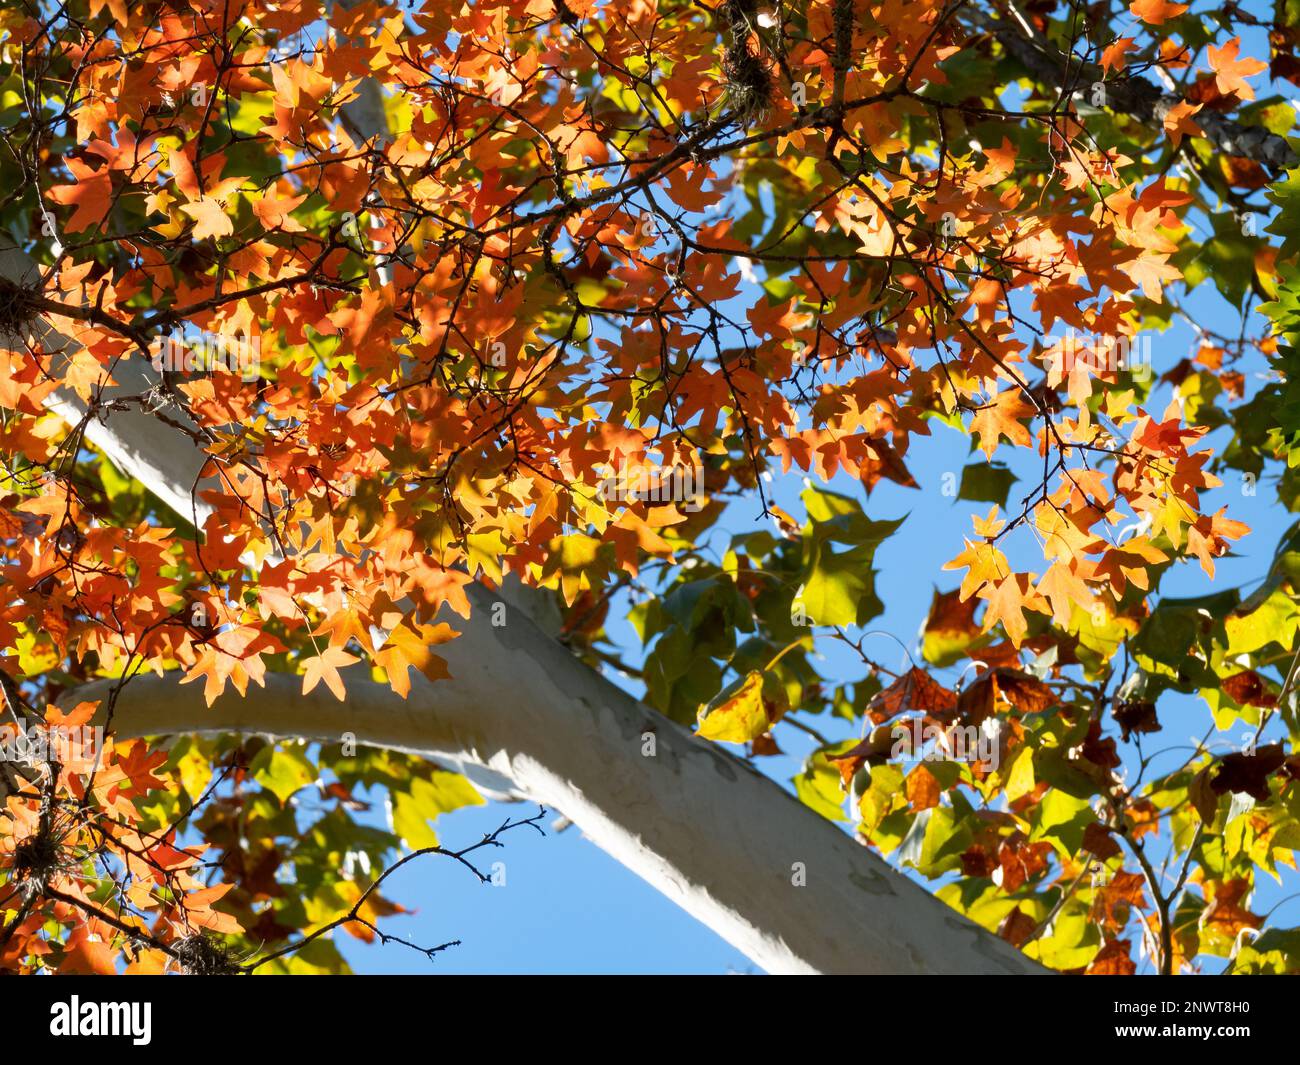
(199,913)
(1114,959)
(1230,73)
(1002,418)
(878,747)
(1152,272)
(502,324)
(914,690)
(1248,689)
(1178,121)
(87,952)
(1136,715)
(922,789)
(92,195)
(136,763)
(274,212)
(408,646)
(950,627)
(1006,604)
(1225,910)
(325,666)
(1099,840)
(1249,773)
(1026,694)
(750,712)
(210,218)
(1113,59)
(21,386)
(1156,12)
(1063,589)
(984,563)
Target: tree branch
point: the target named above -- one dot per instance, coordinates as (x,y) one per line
(1137,97)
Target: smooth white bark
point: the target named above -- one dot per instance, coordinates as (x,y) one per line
(789,889)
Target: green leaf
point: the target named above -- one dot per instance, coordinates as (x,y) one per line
(1228,259)
(283,770)
(1286,194)
(986,482)
(878,800)
(1020,781)
(937,838)
(1273,621)
(413,810)
(1062,819)
(818,785)
(839,587)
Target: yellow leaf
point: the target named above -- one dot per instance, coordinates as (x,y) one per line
(210,218)
(751,711)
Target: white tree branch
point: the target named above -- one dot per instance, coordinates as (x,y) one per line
(709,831)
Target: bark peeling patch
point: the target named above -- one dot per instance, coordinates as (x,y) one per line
(872,882)
(984,944)
(722,764)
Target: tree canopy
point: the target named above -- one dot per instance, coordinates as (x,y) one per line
(550,291)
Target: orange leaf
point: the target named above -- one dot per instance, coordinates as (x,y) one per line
(325,666)
(210,218)
(922,789)
(1002,418)
(408,645)
(1155,12)
(1230,73)
(92,195)
(914,690)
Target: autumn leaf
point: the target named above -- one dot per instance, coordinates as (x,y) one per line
(407,647)
(91,196)
(1114,959)
(1113,57)
(325,666)
(199,912)
(1248,689)
(1002,418)
(1098,840)
(923,790)
(950,628)
(1156,12)
(88,952)
(1230,73)
(274,212)
(1179,121)
(878,745)
(1248,773)
(598,247)
(1006,604)
(210,218)
(750,711)
(981,698)
(1136,715)
(913,690)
